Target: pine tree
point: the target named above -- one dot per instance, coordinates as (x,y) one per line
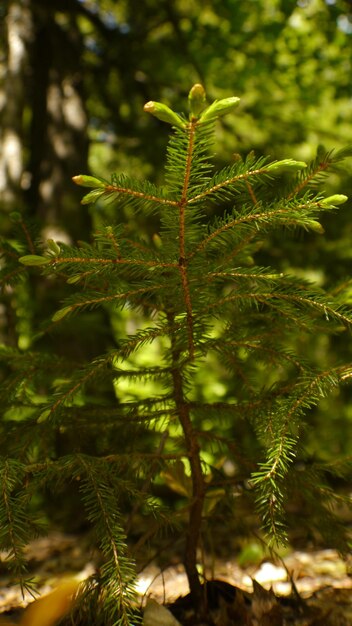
(203,314)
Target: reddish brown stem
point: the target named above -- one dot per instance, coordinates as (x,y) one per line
(197,476)
(182,236)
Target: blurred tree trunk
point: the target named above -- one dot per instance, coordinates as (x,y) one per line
(43,141)
(58,134)
(17,34)
(43,118)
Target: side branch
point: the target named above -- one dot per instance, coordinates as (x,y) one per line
(252,217)
(230,181)
(307,179)
(265,298)
(342,373)
(75,388)
(103,299)
(138,194)
(119,261)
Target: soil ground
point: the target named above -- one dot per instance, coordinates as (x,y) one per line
(309,588)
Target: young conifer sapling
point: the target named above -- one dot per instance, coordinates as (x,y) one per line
(215,316)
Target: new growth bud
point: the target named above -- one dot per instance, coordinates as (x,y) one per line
(316,227)
(196,99)
(89,181)
(219,108)
(286,165)
(164,113)
(335,200)
(53,247)
(33,260)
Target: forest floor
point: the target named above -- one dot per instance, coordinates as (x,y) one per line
(309,588)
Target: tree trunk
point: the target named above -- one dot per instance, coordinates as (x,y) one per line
(43,133)
(18,32)
(58,134)
(43,130)
(195,516)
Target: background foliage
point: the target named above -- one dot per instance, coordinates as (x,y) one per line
(74,76)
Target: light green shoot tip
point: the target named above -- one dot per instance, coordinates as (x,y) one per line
(164,113)
(196,99)
(89,181)
(34,259)
(59,315)
(219,108)
(334,200)
(286,165)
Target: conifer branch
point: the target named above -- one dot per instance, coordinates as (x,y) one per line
(103,300)
(97,368)
(28,237)
(69,463)
(16,273)
(319,167)
(267,297)
(325,308)
(14,519)
(139,194)
(251,193)
(72,390)
(259,346)
(281,452)
(237,249)
(118,261)
(110,235)
(284,214)
(228,183)
(117,574)
(257,274)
